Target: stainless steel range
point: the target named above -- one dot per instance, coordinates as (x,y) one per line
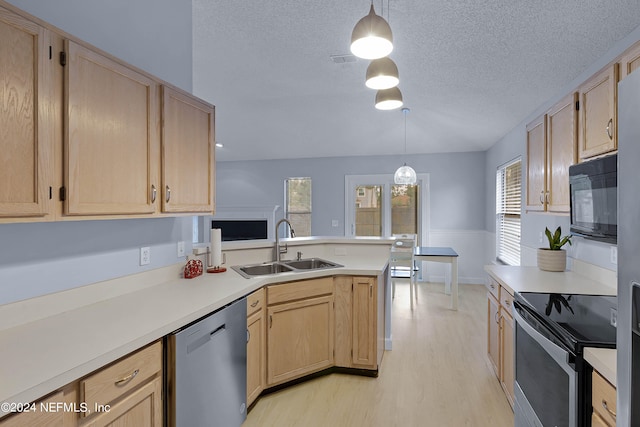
(553,381)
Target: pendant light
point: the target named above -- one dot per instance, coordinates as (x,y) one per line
(405,174)
(371,37)
(389,99)
(382,73)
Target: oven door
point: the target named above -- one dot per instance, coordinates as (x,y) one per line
(546,380)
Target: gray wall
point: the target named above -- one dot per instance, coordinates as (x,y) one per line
(154,35)
(457,198)
(39,258)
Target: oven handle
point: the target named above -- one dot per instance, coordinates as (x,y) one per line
(560,355)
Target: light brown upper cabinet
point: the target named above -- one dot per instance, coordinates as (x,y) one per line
(562,126)
(26,163)
(110,142)
(630,61)
(188,153)
(598,97)
(536,163)
(551,149)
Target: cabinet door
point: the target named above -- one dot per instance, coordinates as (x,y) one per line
(630,61)
(344,321)
(507,377)
(536,155)
(141,408)
(188,158)
(26,162)
(561,152)
(300,338)
(256,357)
(111,143)
(493,325)
(364,322)
(598,97)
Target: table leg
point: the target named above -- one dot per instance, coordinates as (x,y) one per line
(454,283)
(447,280)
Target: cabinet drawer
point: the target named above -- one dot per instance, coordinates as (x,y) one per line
(255,302)
(109,383)
(298,290)
(493,287)
(506,299)
(603,399)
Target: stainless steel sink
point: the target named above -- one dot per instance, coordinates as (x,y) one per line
(261,269)
(269,268)
(311,264)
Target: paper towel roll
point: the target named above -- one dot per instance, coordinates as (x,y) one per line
(216,247)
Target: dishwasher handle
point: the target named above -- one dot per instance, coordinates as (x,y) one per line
(199,342)
(218,329)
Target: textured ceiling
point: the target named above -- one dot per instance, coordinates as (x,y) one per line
(469,71)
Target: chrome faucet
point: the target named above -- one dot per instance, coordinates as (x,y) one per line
(279,250)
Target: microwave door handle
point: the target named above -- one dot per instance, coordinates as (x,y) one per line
(560,355)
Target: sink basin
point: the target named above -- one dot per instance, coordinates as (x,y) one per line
(275,267)
(311,264)
(262,269)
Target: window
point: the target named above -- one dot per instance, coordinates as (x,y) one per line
(298,204)
(508,208)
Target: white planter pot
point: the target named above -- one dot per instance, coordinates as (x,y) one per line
(549,260)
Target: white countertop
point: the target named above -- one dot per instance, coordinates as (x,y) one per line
(44,354)
(603,360)
(532,279)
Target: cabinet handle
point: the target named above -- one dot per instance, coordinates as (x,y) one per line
(167,193)
(129,377)
(492,286)
(609,133)
(604,405)
(546,197)
(270,320)
(255,303)
(542,197)
(248,335)
(371,291)
(496,317)
(154,192)
(507,303)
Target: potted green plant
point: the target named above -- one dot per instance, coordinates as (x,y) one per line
(554,258)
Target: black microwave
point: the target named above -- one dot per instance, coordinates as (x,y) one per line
(594,199)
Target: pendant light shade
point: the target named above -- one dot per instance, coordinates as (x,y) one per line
(382,73)
(389,99)
(371,37)
(405,175)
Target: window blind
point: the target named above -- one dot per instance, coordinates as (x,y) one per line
(508,208)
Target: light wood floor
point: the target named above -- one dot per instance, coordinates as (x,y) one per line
(436,375)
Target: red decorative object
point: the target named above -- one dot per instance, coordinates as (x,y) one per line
(216,269)
(193,269)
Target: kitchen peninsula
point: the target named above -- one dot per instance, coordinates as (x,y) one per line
(73,333)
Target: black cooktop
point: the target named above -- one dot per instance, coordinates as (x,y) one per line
(578,320)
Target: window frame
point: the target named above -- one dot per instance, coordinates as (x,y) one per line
(509,213)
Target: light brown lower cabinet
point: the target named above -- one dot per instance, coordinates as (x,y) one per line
(128,392)
(603,401)
(356,322)
(300,329)
(256,345)
(500,336)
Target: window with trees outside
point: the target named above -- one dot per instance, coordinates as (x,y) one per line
(508,208)
(298,204)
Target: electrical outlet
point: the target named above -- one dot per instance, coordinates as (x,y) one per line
(334,223)
(180,252)
(614,255)
(145,255)
(540,237)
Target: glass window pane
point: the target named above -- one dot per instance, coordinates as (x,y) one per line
(404,209)
(298,197)
(369,210)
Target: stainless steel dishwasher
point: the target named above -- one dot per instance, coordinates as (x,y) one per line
(206,368)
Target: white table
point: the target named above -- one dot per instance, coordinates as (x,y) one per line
(439,254)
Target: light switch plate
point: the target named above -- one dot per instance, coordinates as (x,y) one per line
(614,318)
(180,252)
(614,255)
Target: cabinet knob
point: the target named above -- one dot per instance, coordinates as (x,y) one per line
(609,133)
